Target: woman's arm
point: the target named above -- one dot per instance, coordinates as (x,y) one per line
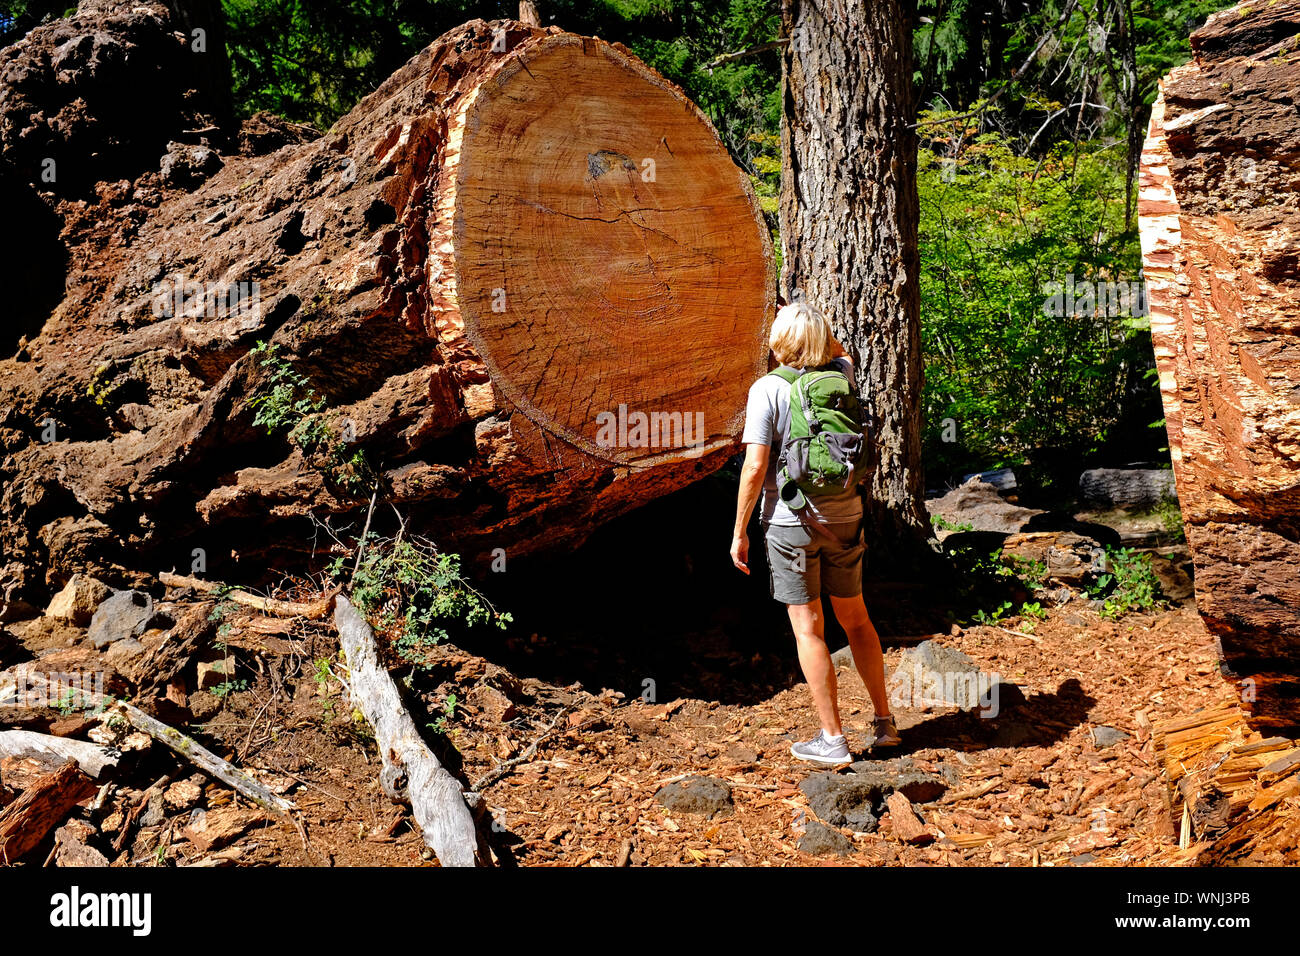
(752,474)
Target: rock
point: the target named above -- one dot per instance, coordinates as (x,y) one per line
(934,675)
(856,799)
(820,840)
(78,599)
(215,671)
(978,504)
(125,614)
(708,796)
(1126,487)
(1107,736)
(1219,220)
(493,703)
(121,653)
(187,166)
(153,812)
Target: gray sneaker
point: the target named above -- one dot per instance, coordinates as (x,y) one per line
(821,750)
(886,733)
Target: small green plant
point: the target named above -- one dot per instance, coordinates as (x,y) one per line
(1171,516)
(1130,585)
(1030,570)
(1033,610)
(413,590)
(983,617)
(943,524)
(439,725)
(228,687)
(292,406)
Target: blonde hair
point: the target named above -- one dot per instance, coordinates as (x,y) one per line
(801,336)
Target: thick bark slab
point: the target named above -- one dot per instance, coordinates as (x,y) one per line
(1220,224)
(521,235)
(40,808)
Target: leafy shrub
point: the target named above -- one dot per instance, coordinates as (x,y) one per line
(1130,585)
(413,591)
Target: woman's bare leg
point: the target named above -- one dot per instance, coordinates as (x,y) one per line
(815,661)
(865,644)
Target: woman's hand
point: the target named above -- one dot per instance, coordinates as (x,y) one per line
(740,552)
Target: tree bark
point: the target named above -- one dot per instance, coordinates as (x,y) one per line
(849,220)
(1218,220)
(523,278)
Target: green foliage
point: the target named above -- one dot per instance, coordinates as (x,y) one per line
(943,524)
(1014,383)
(1130,585)
(439,724)
(1171,516)
(415,592)
(228,687)
(291,406)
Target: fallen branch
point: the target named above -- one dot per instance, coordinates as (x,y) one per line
(183,744)
(204,759)
(495,774)
(309,609)
(410,770)
(741,54)
(91,758)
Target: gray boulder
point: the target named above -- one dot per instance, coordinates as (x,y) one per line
(125,614)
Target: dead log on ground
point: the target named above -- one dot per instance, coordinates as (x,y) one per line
(277,608)
(92,759)
(410,772)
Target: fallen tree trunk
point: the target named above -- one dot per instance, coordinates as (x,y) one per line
(1221,254)
(520,288)
(411,773)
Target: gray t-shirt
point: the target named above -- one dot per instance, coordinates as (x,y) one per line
(767,422)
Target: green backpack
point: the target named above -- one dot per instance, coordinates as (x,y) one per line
(827,450)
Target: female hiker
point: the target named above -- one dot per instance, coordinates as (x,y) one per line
(815,546)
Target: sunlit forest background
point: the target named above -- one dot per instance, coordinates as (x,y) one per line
(1030,115)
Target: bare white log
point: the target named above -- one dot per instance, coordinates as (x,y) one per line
(92,759)
(183,744)
(410,769)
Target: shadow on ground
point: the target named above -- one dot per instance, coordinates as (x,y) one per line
(653,596)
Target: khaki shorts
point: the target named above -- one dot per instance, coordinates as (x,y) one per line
(808,561)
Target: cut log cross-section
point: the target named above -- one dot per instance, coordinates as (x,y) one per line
(601,286)
(1220,223)
(524,275)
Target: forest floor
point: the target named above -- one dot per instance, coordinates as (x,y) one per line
(1029,787)
(597,704)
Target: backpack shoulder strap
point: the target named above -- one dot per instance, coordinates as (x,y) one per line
(786,374)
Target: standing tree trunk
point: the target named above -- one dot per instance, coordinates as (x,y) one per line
(849,218)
